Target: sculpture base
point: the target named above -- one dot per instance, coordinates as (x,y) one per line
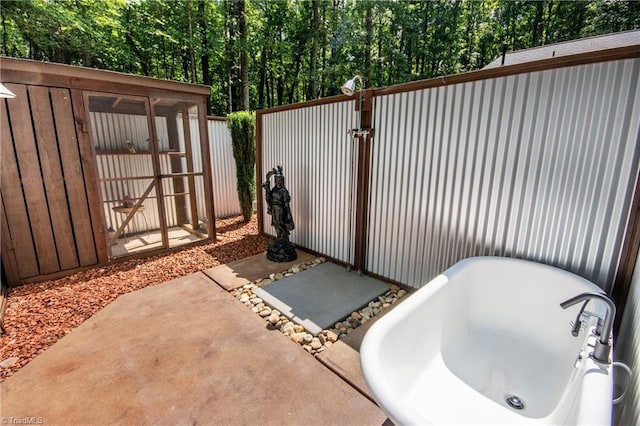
(281,251)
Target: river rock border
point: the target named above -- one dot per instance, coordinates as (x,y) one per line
(297,333)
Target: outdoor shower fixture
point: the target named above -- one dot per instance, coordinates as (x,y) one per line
(349,89)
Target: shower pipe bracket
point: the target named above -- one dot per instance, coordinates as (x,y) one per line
(366,133)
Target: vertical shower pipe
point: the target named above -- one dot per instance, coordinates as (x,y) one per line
(365,108)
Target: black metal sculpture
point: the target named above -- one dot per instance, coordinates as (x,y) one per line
(278,199)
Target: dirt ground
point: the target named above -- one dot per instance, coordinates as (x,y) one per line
(39,314)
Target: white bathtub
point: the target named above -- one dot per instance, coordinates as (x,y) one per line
(486,329)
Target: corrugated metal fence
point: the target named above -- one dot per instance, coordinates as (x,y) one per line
(317,156)
(539,165)
(223,169)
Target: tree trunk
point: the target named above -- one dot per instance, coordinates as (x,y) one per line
(204,57)
(324,50)
(294,79)
(263,77)
(190,49)
(312,91)
(280,91)
(244,59)
(228,53)
(538,24)
(5,49)
(369,40)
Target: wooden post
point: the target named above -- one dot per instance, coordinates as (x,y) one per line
(259,171)
(628,258)
(155,158)
(176,167)
(206,168)
(80,103)
(192,183)
(362,188)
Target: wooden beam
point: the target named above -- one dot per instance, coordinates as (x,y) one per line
(628,258)
(259,171)
(155,158)
(134,209)
(193,203)
(180,203)
(80,104)
(206,167)
(116,102)
(49,74)
(362,180)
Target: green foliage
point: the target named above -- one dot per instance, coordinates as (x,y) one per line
(241,124)
(385,41)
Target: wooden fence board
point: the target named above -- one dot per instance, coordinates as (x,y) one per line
(9,261)
(19,230)
(52,176)
(29,166)
(73,175)
(90,174)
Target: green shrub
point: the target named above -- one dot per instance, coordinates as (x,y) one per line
(241,124)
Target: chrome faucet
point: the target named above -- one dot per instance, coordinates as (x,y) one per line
(602,348)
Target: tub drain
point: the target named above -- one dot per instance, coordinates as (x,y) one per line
(514,402)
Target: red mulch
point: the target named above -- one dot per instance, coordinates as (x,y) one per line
(39,314)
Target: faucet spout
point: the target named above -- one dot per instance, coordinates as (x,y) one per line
(602,349)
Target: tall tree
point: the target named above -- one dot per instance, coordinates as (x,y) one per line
(263,53)
(313,54)
(244,58)
(204,55)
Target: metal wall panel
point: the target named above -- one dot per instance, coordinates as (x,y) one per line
(538,166)
(627,350)
(318,156)
(223,170)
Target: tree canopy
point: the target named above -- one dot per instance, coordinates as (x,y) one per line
(261,53)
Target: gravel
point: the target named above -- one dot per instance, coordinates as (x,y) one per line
(39,314)
(297,333)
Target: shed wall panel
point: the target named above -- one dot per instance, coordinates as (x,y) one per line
(56,196)
(31,180)
(18,238)
(73,176)
(46,219)
(539,166)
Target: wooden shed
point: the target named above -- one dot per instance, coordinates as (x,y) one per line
(98,165)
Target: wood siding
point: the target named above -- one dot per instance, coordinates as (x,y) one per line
(46,221)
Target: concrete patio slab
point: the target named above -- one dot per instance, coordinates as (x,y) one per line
(236,274)
(319,297)
(343,358)
(182,352)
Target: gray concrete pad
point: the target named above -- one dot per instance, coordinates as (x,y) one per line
(238,273)
(320,296)
(181,352)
